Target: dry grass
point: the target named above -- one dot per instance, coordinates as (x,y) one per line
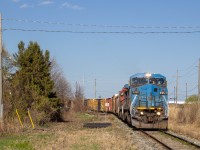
(10,125)
(185,119)
(87,139)
(73,136)
(13,126)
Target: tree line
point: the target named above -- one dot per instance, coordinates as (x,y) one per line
(34,81)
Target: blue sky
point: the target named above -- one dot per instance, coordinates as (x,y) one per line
(111,58)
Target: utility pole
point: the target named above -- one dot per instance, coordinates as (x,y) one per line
(83,89)
(177,77)
(95,86)
(174,95)
(1,86)
(199,83)
(186,91)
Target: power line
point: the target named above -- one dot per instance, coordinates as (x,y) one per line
(190,73)
(102,25)
(190,68)
(99,32)
(192,65)
(190,89)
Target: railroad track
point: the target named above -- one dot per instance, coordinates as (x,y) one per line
(195,144)
(167,140)
(155,139)
(170,141)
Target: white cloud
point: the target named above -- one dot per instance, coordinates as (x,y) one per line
(26,6)
(72,6)
(46,3)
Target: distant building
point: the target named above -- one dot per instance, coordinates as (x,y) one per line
(178,102)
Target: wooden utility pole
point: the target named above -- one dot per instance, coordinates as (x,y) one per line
(95,86)
(83,89)
(186,91)
(177,77)
(199,83)
(174,95)
(1,86)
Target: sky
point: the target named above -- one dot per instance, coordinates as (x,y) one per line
(110,40)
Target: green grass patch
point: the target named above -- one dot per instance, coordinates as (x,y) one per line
(21,145)
(83,138)
(16,143)
(85,116)
(44,136)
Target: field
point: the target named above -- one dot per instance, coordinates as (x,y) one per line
(185,119)
(72,135)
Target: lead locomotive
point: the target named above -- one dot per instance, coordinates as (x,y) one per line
(143,102)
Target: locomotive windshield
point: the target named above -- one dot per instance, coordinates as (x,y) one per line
(139,81)
(143,81)
(157,81)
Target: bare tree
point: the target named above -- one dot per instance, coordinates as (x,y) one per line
(61,85)
(78,98)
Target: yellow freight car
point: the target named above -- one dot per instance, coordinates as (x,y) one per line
(96,104)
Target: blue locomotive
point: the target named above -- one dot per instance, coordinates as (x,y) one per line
(144,101)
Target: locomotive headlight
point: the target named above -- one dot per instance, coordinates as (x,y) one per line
(148,75)
(158,113)
(141,113)
(136,91)
(163,92)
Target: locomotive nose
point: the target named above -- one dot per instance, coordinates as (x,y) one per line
(153,90)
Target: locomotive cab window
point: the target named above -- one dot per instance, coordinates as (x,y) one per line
(157,81)
(139,81)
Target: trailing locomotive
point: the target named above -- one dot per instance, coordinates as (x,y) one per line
(142,102)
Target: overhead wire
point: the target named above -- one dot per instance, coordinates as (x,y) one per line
(101,25)
(100,32)
(195,62)
(191,90)
(188,72)
(190,68)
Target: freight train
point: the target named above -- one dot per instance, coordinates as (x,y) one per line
(143,102)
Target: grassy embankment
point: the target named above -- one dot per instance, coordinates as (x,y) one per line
(185,119)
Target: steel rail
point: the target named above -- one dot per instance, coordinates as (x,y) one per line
(155,139)
(182,139)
